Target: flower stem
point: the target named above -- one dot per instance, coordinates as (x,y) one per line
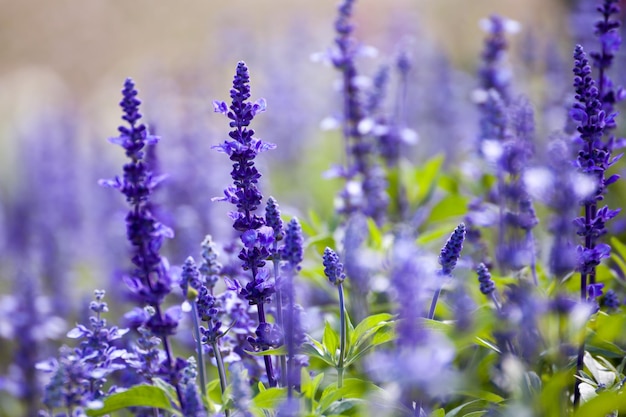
(196,332)
(279,316)
(267,358)
(342,336)
(433,303)
(220,370)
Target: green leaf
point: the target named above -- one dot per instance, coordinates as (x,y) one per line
(317,350)
(330,340)
(376,235)
(137,396)
(604,403)
(440,412)
(424,178)
(457,410)
(369,325)
(279,351)
(269,398)
(452,205)
(352,388)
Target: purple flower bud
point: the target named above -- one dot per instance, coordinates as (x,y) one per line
(452,250)
(333,269)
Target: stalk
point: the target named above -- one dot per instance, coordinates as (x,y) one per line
(342,336)
(220,371)
(267,358)
(279,315)
(433,303)
(196,332)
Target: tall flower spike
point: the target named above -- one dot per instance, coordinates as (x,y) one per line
(257,238)
(150,281)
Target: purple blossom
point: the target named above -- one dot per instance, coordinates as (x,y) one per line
(611,300)
(487,286)
(193,405)
(242,149)
(272,218)
(210,268)
(452,250)
(150,280)
(333,269)
(293,251)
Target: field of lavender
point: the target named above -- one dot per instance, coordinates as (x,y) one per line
(450,243)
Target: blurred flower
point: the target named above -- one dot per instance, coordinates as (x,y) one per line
(452,250)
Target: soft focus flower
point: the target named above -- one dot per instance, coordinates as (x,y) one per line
(452,250)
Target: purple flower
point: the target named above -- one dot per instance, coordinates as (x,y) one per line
(272,218)
(293,251)
(150,280)
(192,406)
(210,268)
(487,286)
(333,269)
(594,291)
(242,149)
(452,250)
(611,300)
(492,73)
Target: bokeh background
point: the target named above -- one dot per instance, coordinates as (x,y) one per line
(62,66)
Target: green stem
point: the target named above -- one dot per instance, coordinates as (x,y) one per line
(196,331)
(220,371)
(279,317)
(342,336)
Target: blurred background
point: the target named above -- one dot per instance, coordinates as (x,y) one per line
(62,66)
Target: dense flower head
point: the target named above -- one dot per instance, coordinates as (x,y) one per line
(260,289)
(272,218)
(487,286)
(611,301)
(210,268)
(192,406)
(333,269)
(268,336)
(293,251)
(189,276)
(452,250)
(150,280)
(242,149)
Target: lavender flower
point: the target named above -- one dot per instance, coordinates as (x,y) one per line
(79,375)
(594,158)
(487,286)
(292,252)
(493,74)
(256,237)
(150,281)
(272,218)
(452,250)
(210,268)
(607,31)
(367,193)
(447,259)
(193,406)
(611,300)
(333,269)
